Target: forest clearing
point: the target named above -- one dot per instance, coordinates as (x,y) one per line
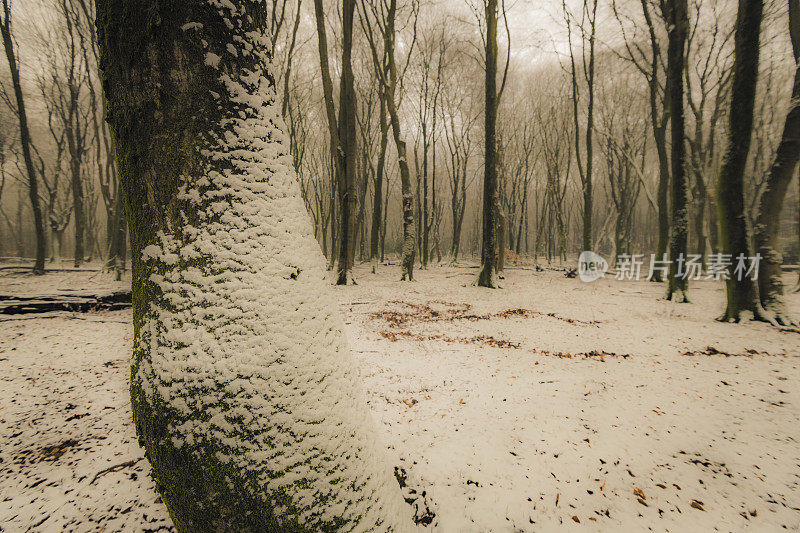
(356,266)
(527,409)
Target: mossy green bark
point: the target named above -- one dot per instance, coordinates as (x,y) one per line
(163,66)
(742,295)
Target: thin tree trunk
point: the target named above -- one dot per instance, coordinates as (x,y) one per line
(797,286)
(25,140)
(330,113)
(409,237)
(377,203)
(502,228)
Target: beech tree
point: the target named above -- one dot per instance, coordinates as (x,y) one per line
(379,21)
(742,294)
(587,64)
(487,277)
(342,136)
(770,285)
(678,286)
(242,386)
(25,136)
(650,63)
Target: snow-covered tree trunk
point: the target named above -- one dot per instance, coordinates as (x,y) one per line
(242,386)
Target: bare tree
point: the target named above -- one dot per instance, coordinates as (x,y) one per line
(587,65)
(678,286)
(648,59)
(25,136)
(624,148)
(379,22)
(742,294)
(459,119)
(780,175)
(487,277)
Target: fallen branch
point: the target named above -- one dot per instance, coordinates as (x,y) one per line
(114,468)
(80,303)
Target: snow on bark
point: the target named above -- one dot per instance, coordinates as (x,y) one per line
(244,391)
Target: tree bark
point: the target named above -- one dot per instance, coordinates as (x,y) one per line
(77,196)
(377,202)
(742,295)
(767,226)
(25,140)
(488,274)
(678,286)
(409,236)
(243,390)
(348,152)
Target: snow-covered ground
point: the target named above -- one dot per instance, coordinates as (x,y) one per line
(547,405)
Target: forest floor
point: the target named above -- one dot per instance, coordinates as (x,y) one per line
(548,405)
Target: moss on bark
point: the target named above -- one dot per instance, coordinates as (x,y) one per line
(191,107)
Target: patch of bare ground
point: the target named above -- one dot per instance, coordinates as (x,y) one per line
(593,354)
(486,340)
(441,311)
(712,351)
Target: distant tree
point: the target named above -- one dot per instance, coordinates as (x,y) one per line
(557,161)
(624,147)
(243,391)
(25,136)
(459,118)
(767,224)
(707,72)
(348,145)
(343,142)
(379,22)
(380,171)
(650,62)
(742,294)
(586,65)
(678,286)
(487,277)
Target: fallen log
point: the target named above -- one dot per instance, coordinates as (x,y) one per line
(81,302)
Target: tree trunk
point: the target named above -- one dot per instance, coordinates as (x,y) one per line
(409,237)
(700,217)
(797,286)
(502,229)
(742,295)
(57,238)
(243,391)
(348,152)
(77,199)
(330,113)
(25,140)
(678,286)
(377,202)
(770,285)
(488,274)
